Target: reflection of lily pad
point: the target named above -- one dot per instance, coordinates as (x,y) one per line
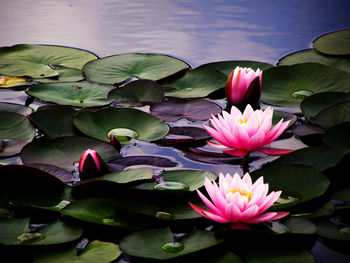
(194,110)
(54,121)
(15,126)
(299,181)
(226,67)
(288,85)
(80,94)
(149,243)
(116,69)
(39,61)
(334,43)
(65,151)
(138,92)
(312,56)
(96,251)
(195,83)
(98,124)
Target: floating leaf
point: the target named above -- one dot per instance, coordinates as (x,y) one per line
(195,83)
(149,243)
(338,136)
(194,110)
(226,67)
(11,228)
(15,126)
(312,56)
(9,147)
(138,92)
(96,251)
(184,136)
(16,108)
(334,231)
(343,195)
(334,43)
(298,225)
(288,85)
(54,122)
(286,116)
(80,94)
(39,61)
(56,171)
(10,81)
(64,75)
(116,69)
(299,181)
(274,254)
(98,124)
(65,151)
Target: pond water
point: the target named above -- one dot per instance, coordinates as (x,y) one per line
(194,30)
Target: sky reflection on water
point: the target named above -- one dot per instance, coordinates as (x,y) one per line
(198,31)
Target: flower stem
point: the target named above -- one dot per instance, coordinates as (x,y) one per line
(245,164)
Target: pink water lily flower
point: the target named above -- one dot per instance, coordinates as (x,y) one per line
(238,134)
(238,83)
(237,201)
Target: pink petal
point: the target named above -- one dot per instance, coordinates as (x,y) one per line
(267,217)
(232,212)
(269,200)
(215,217)
(240,153)
(249,213)
(274,151)
(247,180)
(209,204)
(217,145)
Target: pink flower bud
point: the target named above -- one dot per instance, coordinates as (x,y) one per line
(90,163)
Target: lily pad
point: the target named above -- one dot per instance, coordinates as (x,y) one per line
(334,43)
(54,122)
(338,136)
(312,56)
(15,126)
(116,69)
(100,123)
(186,136)
(195,83)
(56,171)
(152,243)
(298,181)
(96,251)
(317,157)
(16,108)
(29,185)
(65,151)
(298,225)
(342,194)
(138,92)
(80,94)
(9,147)
(11,228)
(64,75)
(10,81)
(130,162)
(194,110)
(286,116)
(289,85)
(226,67)
(314,104)
(39,61)
(334,231)
(279,255)
(102,211)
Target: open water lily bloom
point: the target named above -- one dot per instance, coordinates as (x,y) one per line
(238,134)
(238,201)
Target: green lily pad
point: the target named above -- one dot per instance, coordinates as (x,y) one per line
(298,181)
(16,108)
(11,81)
(102,211)
(333,115)
(318,157)
(333,231)
(149,243)
(64,75)
(299,225)
(226,67)
(289,85)
(343,195)
(273,254)
(195,83)
(96,251)
(312,56)
(65,151)
(80,94)
(334,43)
(338,136)
(286,116)
(54,121)
(36,187)
(11,228)
(138,92)
(98,124)
(116,69)
(314,104)
(39,61)
(127,176)
(194,110)
(15,126)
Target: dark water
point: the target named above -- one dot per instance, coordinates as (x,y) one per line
(198,31)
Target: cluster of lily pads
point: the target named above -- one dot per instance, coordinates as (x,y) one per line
(137,208)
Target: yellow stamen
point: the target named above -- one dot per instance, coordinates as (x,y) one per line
(242,121)
(258,123)
(245,193)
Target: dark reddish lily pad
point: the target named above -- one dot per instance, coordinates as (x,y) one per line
(192,109)
(181,135)
(120,164)
(11,147)
(13,107)
(58,172)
